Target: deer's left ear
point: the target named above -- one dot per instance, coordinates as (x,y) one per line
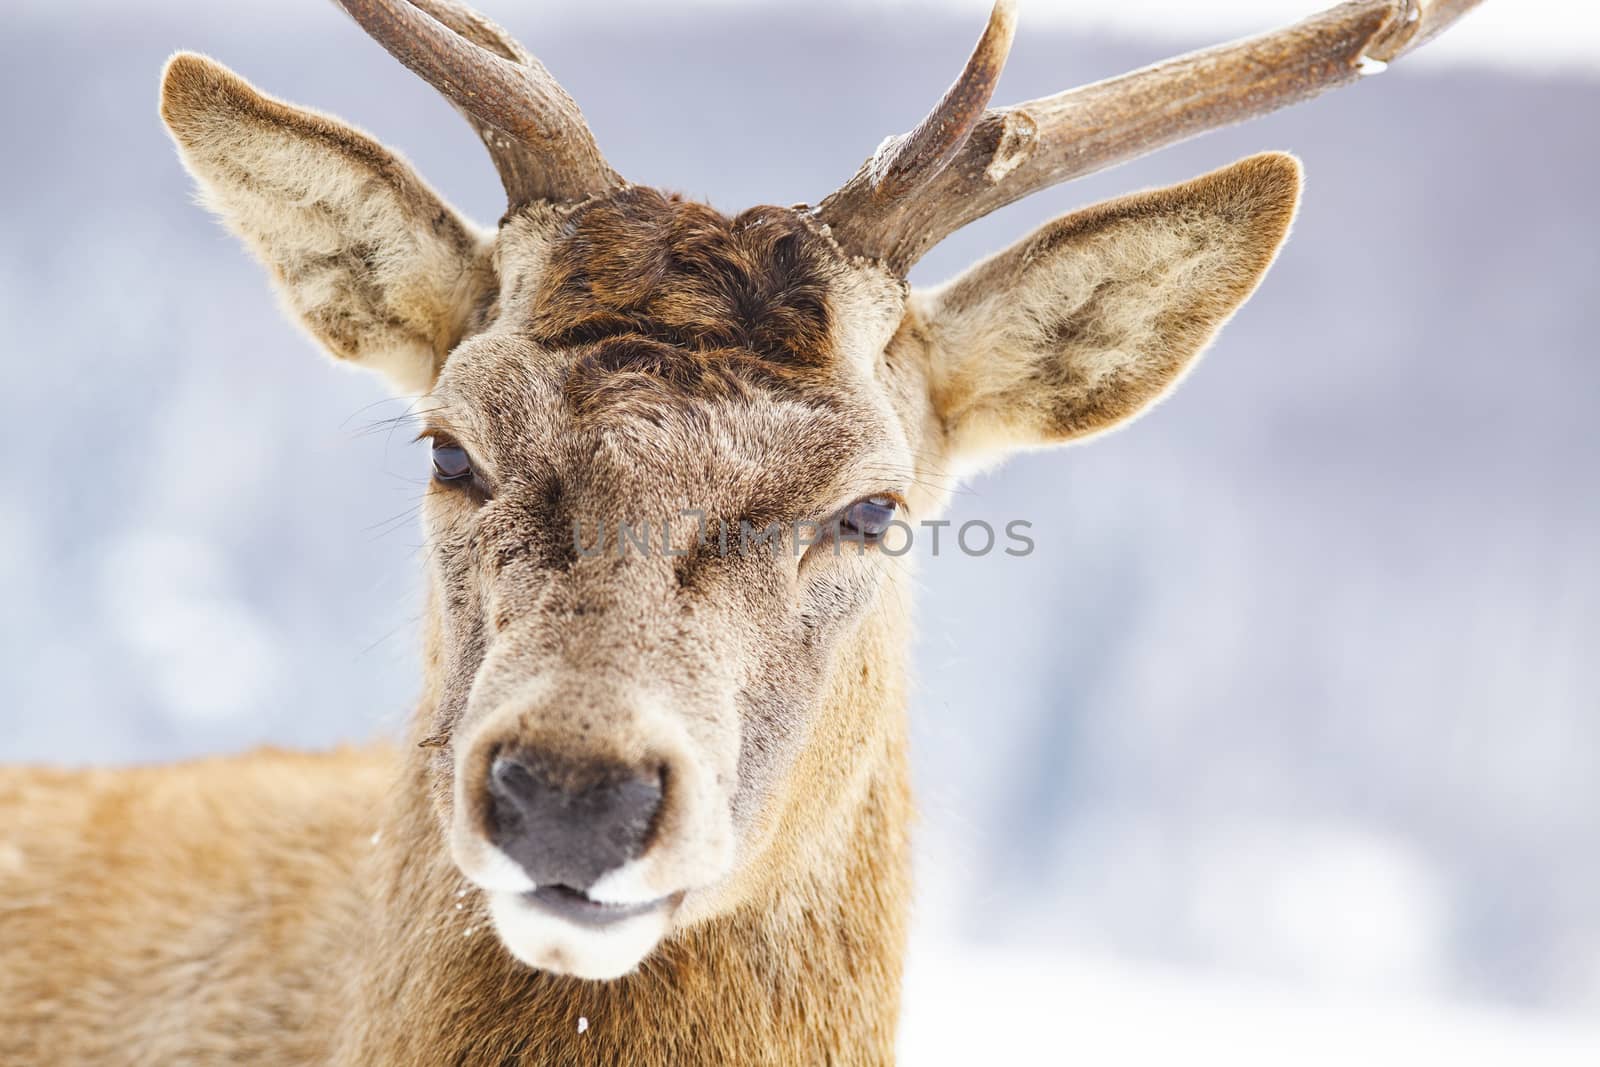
(380,270)
(1095,316)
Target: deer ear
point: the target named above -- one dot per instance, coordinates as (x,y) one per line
(1095,316)
(370,260)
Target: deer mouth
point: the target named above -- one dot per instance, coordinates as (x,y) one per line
(578,907)
(563,930)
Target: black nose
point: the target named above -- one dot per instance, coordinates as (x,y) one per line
(569,824)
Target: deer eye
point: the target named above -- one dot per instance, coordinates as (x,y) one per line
(451,462)
(868,518)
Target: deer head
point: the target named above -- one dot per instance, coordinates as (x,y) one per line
(614,734)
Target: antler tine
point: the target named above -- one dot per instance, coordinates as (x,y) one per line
(902,164)
(905,162)
(534,131)
(1014,151)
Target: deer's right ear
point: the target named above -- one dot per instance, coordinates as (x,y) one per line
(371,261)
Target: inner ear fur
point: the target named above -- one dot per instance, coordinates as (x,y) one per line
(371,261)
(1096,315)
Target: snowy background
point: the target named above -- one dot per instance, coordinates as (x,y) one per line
(1285,741)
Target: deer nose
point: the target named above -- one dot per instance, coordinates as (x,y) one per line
(569,824)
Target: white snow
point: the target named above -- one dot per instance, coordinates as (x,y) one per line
(970,1005)
(199,644)
(1535,35)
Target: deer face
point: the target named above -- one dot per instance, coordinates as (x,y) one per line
(665,439)
(648,468)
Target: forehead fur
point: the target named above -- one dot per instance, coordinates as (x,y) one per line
(653,299)
(644,263)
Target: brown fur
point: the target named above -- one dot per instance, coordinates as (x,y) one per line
(615,361)
(686,275)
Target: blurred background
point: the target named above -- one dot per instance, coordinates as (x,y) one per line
(1284,741)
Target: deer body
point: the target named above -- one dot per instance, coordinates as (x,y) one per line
(653,807)
(300,909)
(203,913)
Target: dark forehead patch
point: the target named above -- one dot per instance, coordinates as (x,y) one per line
(634,374)
(644,284)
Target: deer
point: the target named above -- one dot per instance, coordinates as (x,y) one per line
(651,807)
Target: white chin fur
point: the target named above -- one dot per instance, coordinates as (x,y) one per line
(625,885)
(549,943)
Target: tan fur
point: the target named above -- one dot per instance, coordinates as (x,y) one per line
(613,361)
(297,186)
(1095,316)
(192,914)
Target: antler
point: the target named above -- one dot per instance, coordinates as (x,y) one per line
(534,131)
(1008,153)
(903,163)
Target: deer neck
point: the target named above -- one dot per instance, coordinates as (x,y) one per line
(806,966)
